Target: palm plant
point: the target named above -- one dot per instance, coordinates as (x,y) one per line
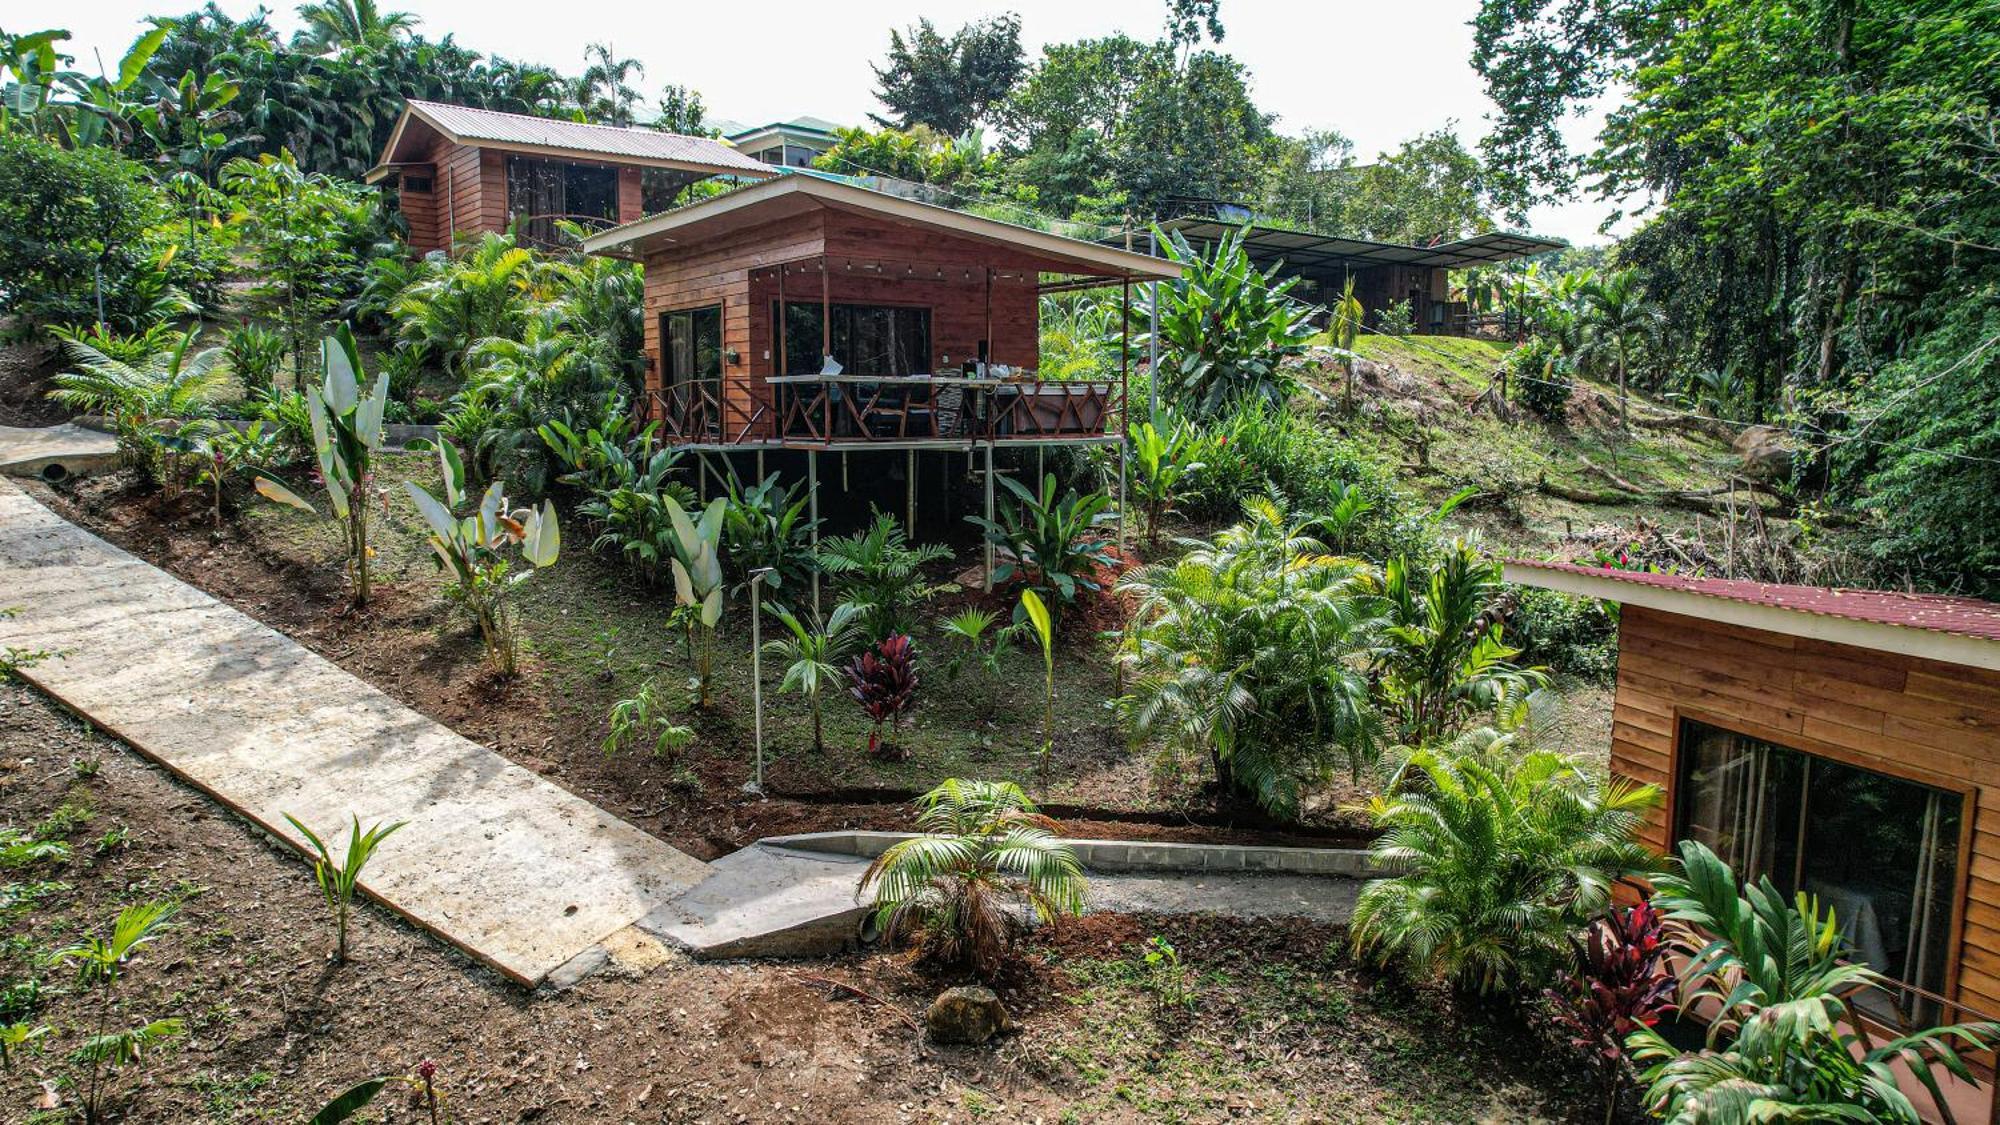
(1618,322)
(1247,651)
(1342,329)
(1051,543)
(16,1035)
(879,569)
(1225,328)
(603,90)
(457,303)
(345,25)
(100,964)
(1161,460)
(472,550)
(174,385)
(551,372)
(1441,657)
(812,656)
(958,891)
(972,632)
(1784,1041)
(337,880)
(1496,861)
(640,718)
(347,434)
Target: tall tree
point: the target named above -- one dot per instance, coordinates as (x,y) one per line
(604,91)
(949,84)
(345,25)
(1427,190)
(682,111)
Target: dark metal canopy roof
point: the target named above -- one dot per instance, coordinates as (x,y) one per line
(1306,252)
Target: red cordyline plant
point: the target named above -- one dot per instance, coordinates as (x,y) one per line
(1621,984)
(884,681)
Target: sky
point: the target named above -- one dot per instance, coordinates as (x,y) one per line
(1379,73)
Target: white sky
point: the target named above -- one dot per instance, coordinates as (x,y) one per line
(1379,73)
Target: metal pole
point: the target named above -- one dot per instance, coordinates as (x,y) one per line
(1153,340)
(910,487)
(757,678)
(812,492)
(989,514)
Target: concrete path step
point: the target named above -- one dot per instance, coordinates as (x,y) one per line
(57,452)
(517,871)
(767,901)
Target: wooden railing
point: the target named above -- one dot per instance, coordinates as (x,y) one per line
(849,410)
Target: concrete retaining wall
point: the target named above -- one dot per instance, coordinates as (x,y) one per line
(1133,855)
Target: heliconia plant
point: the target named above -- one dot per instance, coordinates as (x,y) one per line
(473,550)
(698,580)
(347,434)
(884,681)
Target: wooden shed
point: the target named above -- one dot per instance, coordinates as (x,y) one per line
(1846,743)
(457,170)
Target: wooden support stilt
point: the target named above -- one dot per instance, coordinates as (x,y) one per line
(910,487)
(989,516)
(812,494)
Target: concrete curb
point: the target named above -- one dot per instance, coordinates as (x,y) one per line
(1132,855)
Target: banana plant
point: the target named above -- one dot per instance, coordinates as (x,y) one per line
(1161,458)
(698,580)
(347,434)
(473,550)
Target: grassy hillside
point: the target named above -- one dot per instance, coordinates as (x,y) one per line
(1420,406)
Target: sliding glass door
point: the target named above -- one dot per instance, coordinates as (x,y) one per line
(692,375)
(1882,852)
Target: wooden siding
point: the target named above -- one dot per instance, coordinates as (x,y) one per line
(469,195)
(719,272)
(1925,721)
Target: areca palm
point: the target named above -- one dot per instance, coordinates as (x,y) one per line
(458,303)
(1497,861)
(342,25)
(1618,321)
(1441,656)
(964,890)
(813,656)
(604,91)
(1249,651)
(1777,976)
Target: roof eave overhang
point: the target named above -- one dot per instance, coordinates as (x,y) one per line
(1928,644)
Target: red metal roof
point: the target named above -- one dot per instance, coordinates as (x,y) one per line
(1937,613)
(470,125)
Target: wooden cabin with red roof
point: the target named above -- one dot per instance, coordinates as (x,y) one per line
(1844,743)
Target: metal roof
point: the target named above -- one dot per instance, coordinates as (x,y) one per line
(1307,252)
(733,130)
(803,189)
(1973,626)
(465,125)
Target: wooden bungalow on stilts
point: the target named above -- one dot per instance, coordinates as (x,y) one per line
(808,314)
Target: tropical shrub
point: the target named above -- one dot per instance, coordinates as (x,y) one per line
(1079,338)
(1578,636)
(127,347)
(1441,657)
(879,569)
(1260,450)
(1051,544)
(698,581)
(609,454)
(256,354)
(765,527)
(1245,652)
(472,550)
(1620,984)
(1162,460)
(1783,1041)
(221,452)
(1497,859)
(550,373)
(975,640)
(347,434)
(883,680)
(100,965)
(1396,319)
(175,385)
(958,891)
(1541,377)
(812,656)
(338,879)
(643,717)
(67,218)
(455,303)
(1225,328)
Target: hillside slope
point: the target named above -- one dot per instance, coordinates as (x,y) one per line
(1422,406)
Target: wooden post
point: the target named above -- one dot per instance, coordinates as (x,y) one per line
(812,494)
(825,312)
(989,514)
(910,486)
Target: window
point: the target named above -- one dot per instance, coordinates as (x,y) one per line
(692,373)
(540,192)
(866,339)
(661,189)
(1880,851)
(417,185)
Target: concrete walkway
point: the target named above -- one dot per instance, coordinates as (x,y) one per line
(518,872)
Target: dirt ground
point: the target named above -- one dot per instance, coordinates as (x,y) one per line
(1283,1027)
(411,643)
